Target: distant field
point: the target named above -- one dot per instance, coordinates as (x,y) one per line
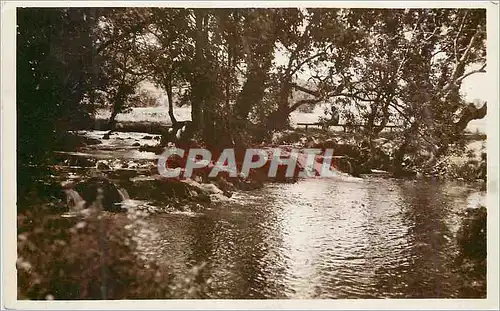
(148,114)
(160,115)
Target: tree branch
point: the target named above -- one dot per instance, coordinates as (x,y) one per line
(468,114)
(433,33)
(348,95)
(124,35)
(403,61)
(306,90)
(305,61)
(461,62)
(455,43)
(396,107)
(480,70)
(135,73)
(469,46)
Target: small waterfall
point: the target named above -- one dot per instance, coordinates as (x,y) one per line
(123,194)
(74,200)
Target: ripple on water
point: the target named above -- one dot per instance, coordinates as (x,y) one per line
(322,239)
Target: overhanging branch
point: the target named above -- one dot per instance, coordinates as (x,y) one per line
(306,90)
(480,70)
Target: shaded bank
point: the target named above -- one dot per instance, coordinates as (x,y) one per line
(466,161)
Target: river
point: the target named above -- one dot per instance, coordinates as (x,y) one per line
(366,238)
(370,237)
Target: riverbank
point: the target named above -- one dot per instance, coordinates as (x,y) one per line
(61,219)
(466,162)
(129,159)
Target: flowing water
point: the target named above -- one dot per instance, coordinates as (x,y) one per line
(369,237)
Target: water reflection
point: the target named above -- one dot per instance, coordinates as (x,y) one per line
(367,238)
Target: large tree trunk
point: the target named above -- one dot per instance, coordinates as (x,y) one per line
(112,121)
(281,118)
(118,102)
(253,89)
(260,51)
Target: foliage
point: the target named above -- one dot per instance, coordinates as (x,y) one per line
(143,98)
(472,234)
(244,70)
(91,258)
(51,80)
(118,48)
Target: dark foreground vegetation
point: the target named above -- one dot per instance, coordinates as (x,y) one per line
(375,67)
(472,242)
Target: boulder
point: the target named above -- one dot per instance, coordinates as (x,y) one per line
(103,165)
(167,190)
(226,186)
(112,195)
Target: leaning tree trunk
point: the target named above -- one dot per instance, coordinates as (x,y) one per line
(117,107)
(281,120)
(112,121)
(471,112)
(260,51)
(252,91)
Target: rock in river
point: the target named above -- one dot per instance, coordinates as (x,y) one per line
(112,195)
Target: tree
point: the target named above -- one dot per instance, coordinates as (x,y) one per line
(258,41)
(319,44)
(168,50)
(409,67)
(54,82)
(446,44)
(375,65)
(118,38)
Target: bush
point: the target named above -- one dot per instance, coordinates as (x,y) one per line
(472,234)
(90,258)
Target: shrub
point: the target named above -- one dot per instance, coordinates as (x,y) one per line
(90,258)
(472,234)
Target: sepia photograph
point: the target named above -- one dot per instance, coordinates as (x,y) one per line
(251,152)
